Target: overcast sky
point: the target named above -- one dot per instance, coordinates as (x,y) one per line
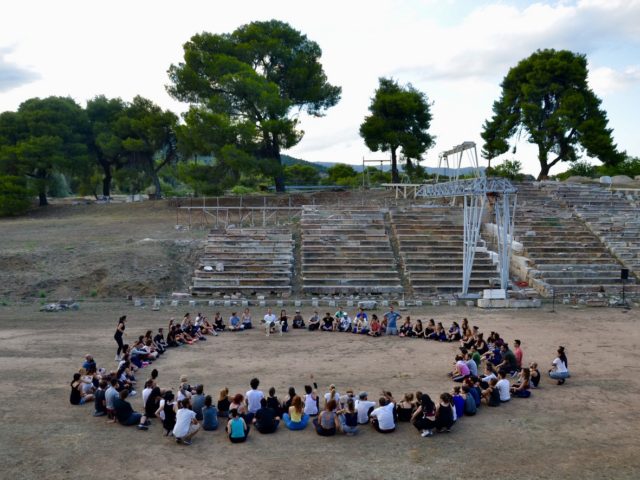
(457,52)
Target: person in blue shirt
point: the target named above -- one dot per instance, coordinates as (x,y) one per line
(209,414)
(392,321)
(234,323)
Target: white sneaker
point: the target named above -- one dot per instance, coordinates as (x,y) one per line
(425,433)
(133,393)
(117,358)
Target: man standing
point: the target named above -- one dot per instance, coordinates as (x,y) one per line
(392,321)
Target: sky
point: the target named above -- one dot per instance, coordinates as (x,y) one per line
(455,51)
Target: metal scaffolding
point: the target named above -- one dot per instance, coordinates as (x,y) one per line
(476,193)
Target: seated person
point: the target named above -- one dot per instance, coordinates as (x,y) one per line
(224,402)
(364,407)
(209,415)
(535,374)
(266,420)
(461,369)
(295,418)
(345,323)
(349,418)
(80,395)
(405,408)
(491,395)
(237,429)
(234,323)
(327,423)
(429,329)
(218,323)
(458,401)
(521,387)
(445,413)
(470,405)
(453,335)
(374,327)
(246,320)
(314,321)
(382,417)
(327,323)
(406,330)
(125,413)
(361,322)
(298,321)
(186,426)
(418,330)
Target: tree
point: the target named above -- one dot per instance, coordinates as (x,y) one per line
(255,79)
(301,174)
(43,137)
(400,118)
(547,97)
(510,169)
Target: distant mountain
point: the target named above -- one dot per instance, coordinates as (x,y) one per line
(288,160)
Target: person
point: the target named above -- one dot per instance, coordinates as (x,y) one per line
(429,329)
(234,323)
(382,417)
(491,395)
(405,408)
(167,412)
(521,387)
(109,396)
(471,364)
(295,418)
(489,374)
(392,321)
(332,394)
(349,418)
(314,321)
(238,403)
(78,395)
(406,330)
(424,418)
(100,403)
(560,370)
(362,322)
(237,428)
(345,323)
(272,400)
(223,402)
(445,416)
(246,320)
(197,402)
(209,415)
(327,323)
(298,321)
(517,351)
(364,407)
(327,423)
(453,335)
(535,374)
(509,362)
(218,323)
(418,330)
(470,405)
(461,369)
(374,327)
(187,425)
(125,413)
(89,364)
(458,401)
(311,400)
(288,399)
(119,334)
(254,397)
(151,405)
(503,386)
(266,419)
(284,321)
(269,321)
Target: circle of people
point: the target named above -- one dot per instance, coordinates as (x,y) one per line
(189,411)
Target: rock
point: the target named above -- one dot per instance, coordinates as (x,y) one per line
(621,180)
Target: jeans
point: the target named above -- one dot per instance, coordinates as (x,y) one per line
(559,375)
(392,331)
(346,428)
(134,419)
(291,425)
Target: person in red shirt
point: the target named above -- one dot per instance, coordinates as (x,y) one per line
(518,353)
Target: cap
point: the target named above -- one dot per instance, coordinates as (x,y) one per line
(363,395)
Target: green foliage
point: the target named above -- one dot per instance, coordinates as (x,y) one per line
(15,196)
(340,171)
(400,118)
(298,174)
(629,167)
(375,176)
(511,169)
(242,190)
(245,87)
(93,293)
(547,97)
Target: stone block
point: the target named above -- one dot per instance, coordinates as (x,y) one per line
(435,303)
(262,303)
(402,303)
(349,303)
(192,303)
(212,303)
(280,303)
(227,303)
(245,303)
(175,303)
(297,303)
(453,303)
(314,302)
(418,303)
(332,303)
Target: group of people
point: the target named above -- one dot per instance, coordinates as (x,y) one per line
(184,413)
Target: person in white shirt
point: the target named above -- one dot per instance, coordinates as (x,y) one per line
(332,395)
(382,417)
(560,372)
(345,323)
(364,407)
(253,397)
(186,424)
(503,386)
(271,323)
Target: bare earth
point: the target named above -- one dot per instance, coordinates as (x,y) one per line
(587,428)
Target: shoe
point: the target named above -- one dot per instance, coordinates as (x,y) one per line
(142,427)
(561,381)
(187,442)
(117,358)
(425,433)
(133,393)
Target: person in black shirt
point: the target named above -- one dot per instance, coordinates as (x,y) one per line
(126,415)
(265,418)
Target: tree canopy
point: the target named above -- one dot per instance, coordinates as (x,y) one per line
(547,98)
(251,82)
(400,118)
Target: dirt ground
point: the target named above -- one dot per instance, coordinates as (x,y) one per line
(587,428)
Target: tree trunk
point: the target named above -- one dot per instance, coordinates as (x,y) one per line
(278,177)
(155,178)
(544,165)
(42,197)
(106,180)
(395,177)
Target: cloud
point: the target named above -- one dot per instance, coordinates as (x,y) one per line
(492,38)
(605,80)
(12,75)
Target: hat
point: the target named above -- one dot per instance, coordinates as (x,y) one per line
(363,395)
